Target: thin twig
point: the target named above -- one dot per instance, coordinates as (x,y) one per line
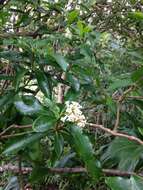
(119,102)
(15,135)
(16,127)
(135,97)
(114,133)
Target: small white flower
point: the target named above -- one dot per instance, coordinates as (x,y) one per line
(74,114)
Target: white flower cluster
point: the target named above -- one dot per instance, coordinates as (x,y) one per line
(74,114)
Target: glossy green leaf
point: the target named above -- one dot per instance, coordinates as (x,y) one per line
(43,123)
(74,82)
(52,106)
(6,99)
(138,74)
(58,144)
(61,61)
(43,82)
(20,72)
(123,152)
(28,105)
(118,183)
(85,150)
(22,143)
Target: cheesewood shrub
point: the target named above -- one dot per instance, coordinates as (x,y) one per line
(71,96)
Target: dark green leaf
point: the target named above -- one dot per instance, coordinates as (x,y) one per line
(28,105)
(84,148)
(43,123)
(20,72)
(38,173)
(6,77)
(58,144)
(119,183)
(20,144)
(137,75)
(6,99)
(52,106)
(124,152)
(43,82)
(74,82)
(61,61)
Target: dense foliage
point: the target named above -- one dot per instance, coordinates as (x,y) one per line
(71,103)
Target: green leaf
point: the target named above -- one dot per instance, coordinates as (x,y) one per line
(72,16)
(140,130)
(138,103)
(61,61)
(6,99)
(74,82)
(138,15)
(58,144)
(84,148)
(123,152)
(137,75)
(28,105)
(52,106)
(43,82)
(43,123)
(34,151)
(38,174)
(22,143)
(20,72)
(118,183)
(6,77)
(120,83)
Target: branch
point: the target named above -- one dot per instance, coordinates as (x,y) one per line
(107,172)
(114,133)
(119,102)
(2,134)
(93,126)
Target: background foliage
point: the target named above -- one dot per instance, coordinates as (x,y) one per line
(84,51)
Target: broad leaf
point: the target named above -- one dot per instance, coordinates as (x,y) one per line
(6,99)
(43,123)
(52,106)
(58,144)
(137,75)
(74,82)
(84,148)
(123,152)
(20,72)
(43,82)
(22,143)
(61,61)
(28,105)
(119,183)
